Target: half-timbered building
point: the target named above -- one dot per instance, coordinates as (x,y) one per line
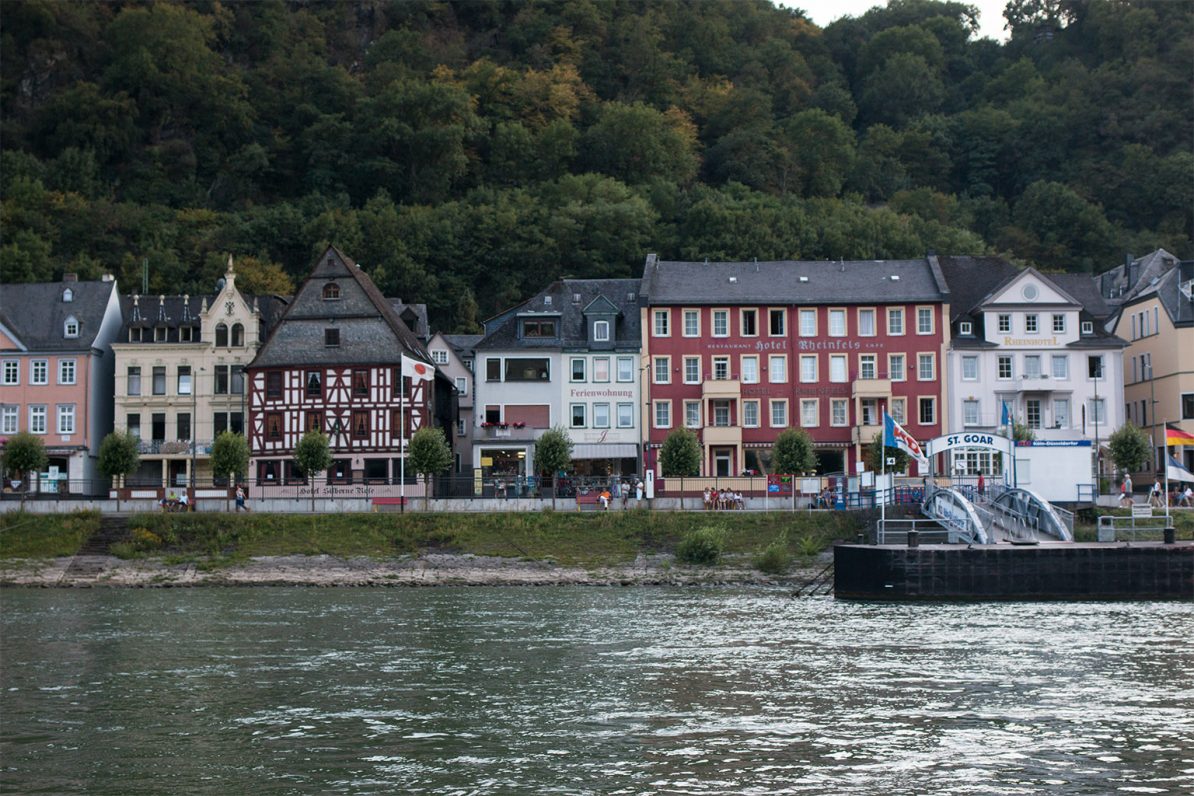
(333,364)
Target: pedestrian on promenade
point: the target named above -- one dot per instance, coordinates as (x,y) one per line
(240,499)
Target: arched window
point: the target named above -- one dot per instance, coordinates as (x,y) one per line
(331,292)
(221,336)
(68,296)
(71,327)
(238,334)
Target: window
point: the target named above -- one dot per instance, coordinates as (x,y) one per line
(926,367)
(692,414)
(578,415)
(1032,411)
(750,414)
(898,410)
(159,380)
(867,368)
(601,369)
(134,381)
(1135,328)
(314,384)
(1059,324)
(625,415)
(965,327)
(12,372)
(66,419)
(273,425)
(662,323)
(750,322)
(538,328)
(1005,323)
(837,412)
(37,420)
(777,368)
(895,320)
(721,323)
(493,369)
(331,338)
(183,426)
(66,371)
(360,424)
(721,368)
(970,413)
(924,320)
(692,370)
(238,379)
(866,323)
(1096,410)
(869,410)
(1061,412)
(837,367)
(228,421)
(896,368)
(1003,368)
(160,333)
(721,414)
(809,413)
(1087,327)
(314,422)
(8,419)
(578,369)
(1094,366)
(779,413)
(184,379)
(969,368)
(360,382)
(185,334)
(439,356)
(70,328)
(808,323)
(926,411)
(750,369)
(808,368)
(1188,406)
(662,370)
(663,414)
(238,335)
(837,323)
(331,292)
(625,369)
(518,369)
(600,415)
(68,296)
(1031,323)
(1032,366)
(777,323)
(601,331)
(692,323)
(273,384)
(221,335)
(39,371)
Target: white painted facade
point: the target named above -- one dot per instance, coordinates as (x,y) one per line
(517,396)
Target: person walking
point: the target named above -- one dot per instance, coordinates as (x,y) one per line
(982,486)
(1155,498)
(1126,491)
(240,499)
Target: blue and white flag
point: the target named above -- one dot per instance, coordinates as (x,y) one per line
(1005,418)
(894,436)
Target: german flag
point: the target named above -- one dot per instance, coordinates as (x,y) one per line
(1175,436)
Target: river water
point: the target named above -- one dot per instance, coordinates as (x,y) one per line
(587,690)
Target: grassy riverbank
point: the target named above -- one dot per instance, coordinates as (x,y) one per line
(569,539)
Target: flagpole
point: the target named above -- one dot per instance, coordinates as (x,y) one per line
(1165,456)
(883,481)
(402,432)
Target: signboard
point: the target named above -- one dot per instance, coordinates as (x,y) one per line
(973,439)
(1053,443)
(779,484)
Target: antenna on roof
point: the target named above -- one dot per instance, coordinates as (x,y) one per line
(144,275)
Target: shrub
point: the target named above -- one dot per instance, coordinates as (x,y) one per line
(701,546)
(810,545)
(776,558)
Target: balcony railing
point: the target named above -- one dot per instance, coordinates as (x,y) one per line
(722,435)
(161,447)
(721,388)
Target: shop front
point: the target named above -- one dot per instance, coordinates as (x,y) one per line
(605,459)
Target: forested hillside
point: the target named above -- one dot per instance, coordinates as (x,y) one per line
(466,153)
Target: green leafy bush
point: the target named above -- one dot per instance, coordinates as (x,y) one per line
(809,546)
(701,546)
(776,558)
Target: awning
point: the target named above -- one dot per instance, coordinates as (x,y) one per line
(609,450)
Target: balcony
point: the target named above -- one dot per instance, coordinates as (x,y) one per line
(721,388)
(159,447)
(865,435)
(870,388)
(510,431)
(722,435)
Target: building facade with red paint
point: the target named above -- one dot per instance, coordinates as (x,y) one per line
(740,351)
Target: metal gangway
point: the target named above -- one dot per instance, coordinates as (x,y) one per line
(1005,514)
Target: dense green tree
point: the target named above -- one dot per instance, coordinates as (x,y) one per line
(312,456)
(429,455)
(24,455)
(1131,448)
(792,453)
(680,456)
(553,454)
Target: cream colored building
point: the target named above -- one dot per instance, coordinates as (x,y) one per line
(1156,317)
(180,364)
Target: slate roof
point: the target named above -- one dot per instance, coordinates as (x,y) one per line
(370,330)
(36,313)
(175,312)
(414,316)
(1167,290)
(1124,282)
(463,344)
(566,300)
(780,282)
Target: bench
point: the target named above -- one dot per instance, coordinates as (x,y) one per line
(388,503)
(592,501)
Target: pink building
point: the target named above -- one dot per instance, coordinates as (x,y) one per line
(56,374)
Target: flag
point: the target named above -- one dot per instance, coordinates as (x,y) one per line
(415,370)
(1176,472)
(894,436)
(1005,418)
(1175,436)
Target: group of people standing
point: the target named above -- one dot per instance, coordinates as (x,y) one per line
(1178,497)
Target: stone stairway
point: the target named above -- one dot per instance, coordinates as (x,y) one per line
(91,559)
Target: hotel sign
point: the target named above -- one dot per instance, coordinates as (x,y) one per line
(1035,342)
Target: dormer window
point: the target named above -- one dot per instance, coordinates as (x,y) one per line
(71,327)
(331,292)
(331,337)
(601,331)
(68,296)
(965,327)
(1087,327)
(538,328)
(159,334)
(185,334)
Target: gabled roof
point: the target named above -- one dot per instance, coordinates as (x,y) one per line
(793,282)
(370,330)
(566,300)
(463,344)
(1124,282)
(36,314)
(1167,290)
(414,316)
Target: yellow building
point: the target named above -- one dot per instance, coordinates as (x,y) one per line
(180,381)
(1156,316)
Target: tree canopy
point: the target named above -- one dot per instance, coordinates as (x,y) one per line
(467,153)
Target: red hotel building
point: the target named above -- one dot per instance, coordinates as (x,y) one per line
(740,351)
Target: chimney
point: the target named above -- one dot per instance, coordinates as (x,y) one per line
(107,278)
(68,277)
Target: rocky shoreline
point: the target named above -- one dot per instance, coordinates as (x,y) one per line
(433,569)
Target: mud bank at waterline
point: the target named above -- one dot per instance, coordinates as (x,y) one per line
(426,570)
